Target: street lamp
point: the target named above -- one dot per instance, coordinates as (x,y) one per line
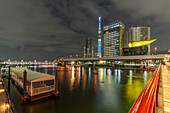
(77,55)
(96,54)
(155,50)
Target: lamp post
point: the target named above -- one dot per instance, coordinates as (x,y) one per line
(155,50)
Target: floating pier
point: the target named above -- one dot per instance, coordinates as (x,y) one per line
(35,85)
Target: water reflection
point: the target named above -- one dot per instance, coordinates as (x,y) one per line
(119,76)
(130,73)
(90,90)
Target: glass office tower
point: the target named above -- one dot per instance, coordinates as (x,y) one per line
(113,39)
(88,48)
(139,34)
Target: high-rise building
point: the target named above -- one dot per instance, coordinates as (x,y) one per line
(88,48)
(113,39)
(136,34)
(99,53)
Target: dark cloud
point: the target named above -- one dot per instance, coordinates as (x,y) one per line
(153,13)
(50,29)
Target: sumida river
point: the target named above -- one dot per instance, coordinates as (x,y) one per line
(105,91)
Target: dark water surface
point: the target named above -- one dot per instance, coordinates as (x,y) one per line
(108,91)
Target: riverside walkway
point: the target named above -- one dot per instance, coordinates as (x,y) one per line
(166,88)
(4,102)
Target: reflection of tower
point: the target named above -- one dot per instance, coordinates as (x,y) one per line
(99,38)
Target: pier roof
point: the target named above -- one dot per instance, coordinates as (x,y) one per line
(31,75)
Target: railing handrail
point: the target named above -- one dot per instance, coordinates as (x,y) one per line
(148,95)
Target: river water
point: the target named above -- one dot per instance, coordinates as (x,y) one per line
(106,91)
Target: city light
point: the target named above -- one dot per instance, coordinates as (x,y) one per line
(2,90)
(4,106)
(76,55)
(72,62)
(101,61)
(155,50)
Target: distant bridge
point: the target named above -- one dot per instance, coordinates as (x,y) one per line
(118,58)
(28,63)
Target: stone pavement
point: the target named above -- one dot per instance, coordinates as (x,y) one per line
(166,88)
(159,109)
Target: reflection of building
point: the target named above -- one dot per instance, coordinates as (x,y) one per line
(88,48)
(113,39)
(136,34)
(99,39)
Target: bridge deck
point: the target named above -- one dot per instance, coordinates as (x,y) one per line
(121,58)
(166,88)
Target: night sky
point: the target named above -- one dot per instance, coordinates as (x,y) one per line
(51,29)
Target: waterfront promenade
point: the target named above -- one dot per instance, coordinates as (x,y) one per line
(4,105)
(166,88)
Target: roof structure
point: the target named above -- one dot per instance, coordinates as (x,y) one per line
(31,75)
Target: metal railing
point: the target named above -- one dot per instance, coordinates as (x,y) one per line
(148,98)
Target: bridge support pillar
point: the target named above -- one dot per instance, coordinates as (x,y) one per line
(80,70)
(65,63)
(9,74)
(94,63)
(75,69)
(56,82)
(141,62)
(113,63)
(24,85)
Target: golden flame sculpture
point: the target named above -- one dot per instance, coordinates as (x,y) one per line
(141,43)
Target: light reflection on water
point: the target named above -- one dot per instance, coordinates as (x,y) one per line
(89,90)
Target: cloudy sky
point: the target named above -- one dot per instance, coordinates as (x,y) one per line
(50,29)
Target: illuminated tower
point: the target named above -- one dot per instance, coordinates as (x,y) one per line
(113,39)
(99,38)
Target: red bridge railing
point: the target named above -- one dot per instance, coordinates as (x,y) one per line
(148,98)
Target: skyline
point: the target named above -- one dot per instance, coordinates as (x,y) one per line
(47,30)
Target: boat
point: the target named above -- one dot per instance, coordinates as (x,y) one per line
(35,85)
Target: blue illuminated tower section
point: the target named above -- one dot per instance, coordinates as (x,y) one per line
(99,39)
